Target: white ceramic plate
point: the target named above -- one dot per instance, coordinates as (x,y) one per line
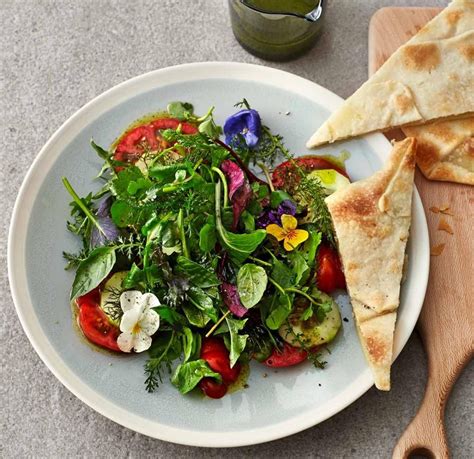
(272,407)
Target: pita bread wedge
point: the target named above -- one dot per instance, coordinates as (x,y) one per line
(430,77)
(372,220)
(445,150)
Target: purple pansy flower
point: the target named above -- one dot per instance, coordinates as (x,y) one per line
(245,123)
(110,231)
(269,216)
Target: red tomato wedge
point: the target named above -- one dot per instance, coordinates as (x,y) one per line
(212,388)
(329,275)
(95,324)
(214,352)
(284,176)
(286,357)
(147,137)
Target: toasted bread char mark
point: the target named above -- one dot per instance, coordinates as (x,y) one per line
(453,17)
(421,57)
(377,348)
(467,51)
(403,103)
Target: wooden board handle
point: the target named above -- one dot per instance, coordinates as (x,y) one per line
(426,434)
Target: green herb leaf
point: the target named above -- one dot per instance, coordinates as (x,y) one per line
(238,246)
(187,375)
(277,197)
(251,284)
(207,237)
(93,270)
(170,315)
(195,316)
(198,297)
(237,342)
(197,274)
(180,110)
(279,311)
(281,273)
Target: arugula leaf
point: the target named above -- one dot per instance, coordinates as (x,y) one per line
(237,342)
(187,375)
(197,274)
(93,270)
(248,221)
(198,297)
(300,268)
(281,273)
(238,246)
(251,283)
(279,311)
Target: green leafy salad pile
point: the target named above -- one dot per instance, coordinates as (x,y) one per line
(213,258)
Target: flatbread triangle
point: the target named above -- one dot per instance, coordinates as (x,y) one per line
(372,219)
(430,77)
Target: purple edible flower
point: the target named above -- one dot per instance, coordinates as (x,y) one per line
(286,207)
(246,124)
(110,231)
(269,216)
(231,298)
(239,189)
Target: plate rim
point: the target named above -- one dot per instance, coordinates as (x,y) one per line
(21,298)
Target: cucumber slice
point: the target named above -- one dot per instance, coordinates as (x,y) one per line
(311,332)
(330,179)
(110,296)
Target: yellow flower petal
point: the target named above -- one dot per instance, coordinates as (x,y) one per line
(294,238)
(276,231)
(289,222)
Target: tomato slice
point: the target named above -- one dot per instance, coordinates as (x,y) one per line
(284,176)
(147,137)
(286,357)
(212,388)
(214,352)
(329,275)
(95,324)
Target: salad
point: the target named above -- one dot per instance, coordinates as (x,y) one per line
(207,247)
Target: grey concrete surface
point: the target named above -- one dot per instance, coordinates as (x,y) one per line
(56,56)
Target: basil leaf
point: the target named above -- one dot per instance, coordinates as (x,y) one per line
(248,221)
(195,316)
(93,270)
(251,283)
(198,297)
(207,237)
(237,342)
(238,246)
(187,375)
(197,274)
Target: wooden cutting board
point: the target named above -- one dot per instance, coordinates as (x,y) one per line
(446,323)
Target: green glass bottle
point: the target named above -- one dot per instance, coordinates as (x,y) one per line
(276,30)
